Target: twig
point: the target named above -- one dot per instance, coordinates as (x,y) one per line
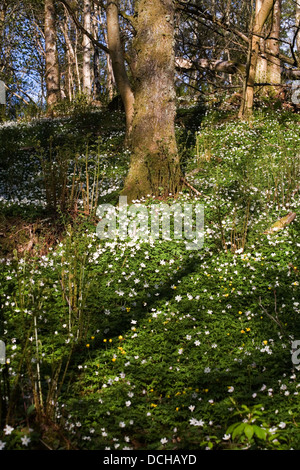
(190,186)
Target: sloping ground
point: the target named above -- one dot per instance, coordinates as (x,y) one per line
(143,344)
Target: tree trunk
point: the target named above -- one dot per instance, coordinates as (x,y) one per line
(298,26)
(262,60)
(259,22)
(154,167)
(268,67)
(118,62)
(52,67)
(274,68)
(87,51)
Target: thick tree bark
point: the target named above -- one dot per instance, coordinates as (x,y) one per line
(87,50)
(118,62)
(154,168)
(260,19)
(52,67)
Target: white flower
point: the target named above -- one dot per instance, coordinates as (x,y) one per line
(226,437)
(230,389)
(128,403)
(122,424)
(8,430)
(25,440)
(178,298)
(164,440)
(2,445)
(196,422)
(282,425)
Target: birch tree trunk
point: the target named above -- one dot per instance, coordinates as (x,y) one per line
(87,50)
(52,77)
(259,21)
(154,167)
(262,60)
(274,68)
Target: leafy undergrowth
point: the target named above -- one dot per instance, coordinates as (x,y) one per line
(143,344)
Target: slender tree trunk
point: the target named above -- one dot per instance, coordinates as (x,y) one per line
(298,26)
(96,55)
(154,167)
(262,60)
(259,22)
(110,79)
(274,68)
(87,50)
(118,63)
(52,65)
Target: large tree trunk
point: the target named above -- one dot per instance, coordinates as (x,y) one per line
(154,168)
(52,67)
(118,62)
(87,50)
(259,22)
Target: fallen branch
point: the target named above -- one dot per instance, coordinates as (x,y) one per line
(190,186)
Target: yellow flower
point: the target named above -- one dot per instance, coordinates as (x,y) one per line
(114,359)
(248,329)
(104,341)
(240,312)
(242,331)
(128,309)
(110,340)
(153,405)
(92,337)
(265,342)
(87,345)
(120,337)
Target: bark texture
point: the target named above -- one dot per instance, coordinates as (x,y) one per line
(87,50)
(154,168)
(118,62)
(260,19)
(52,67)
(268,67)
(274,69)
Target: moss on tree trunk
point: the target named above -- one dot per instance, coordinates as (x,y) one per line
(154,167)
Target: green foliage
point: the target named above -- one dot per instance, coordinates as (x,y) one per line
(143,344)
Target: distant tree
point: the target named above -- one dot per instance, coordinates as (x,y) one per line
(52,77)
(87,49)
(262,12)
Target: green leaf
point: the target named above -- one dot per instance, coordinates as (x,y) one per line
(248,431)
(260,433)
(238,430)
(30,409)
